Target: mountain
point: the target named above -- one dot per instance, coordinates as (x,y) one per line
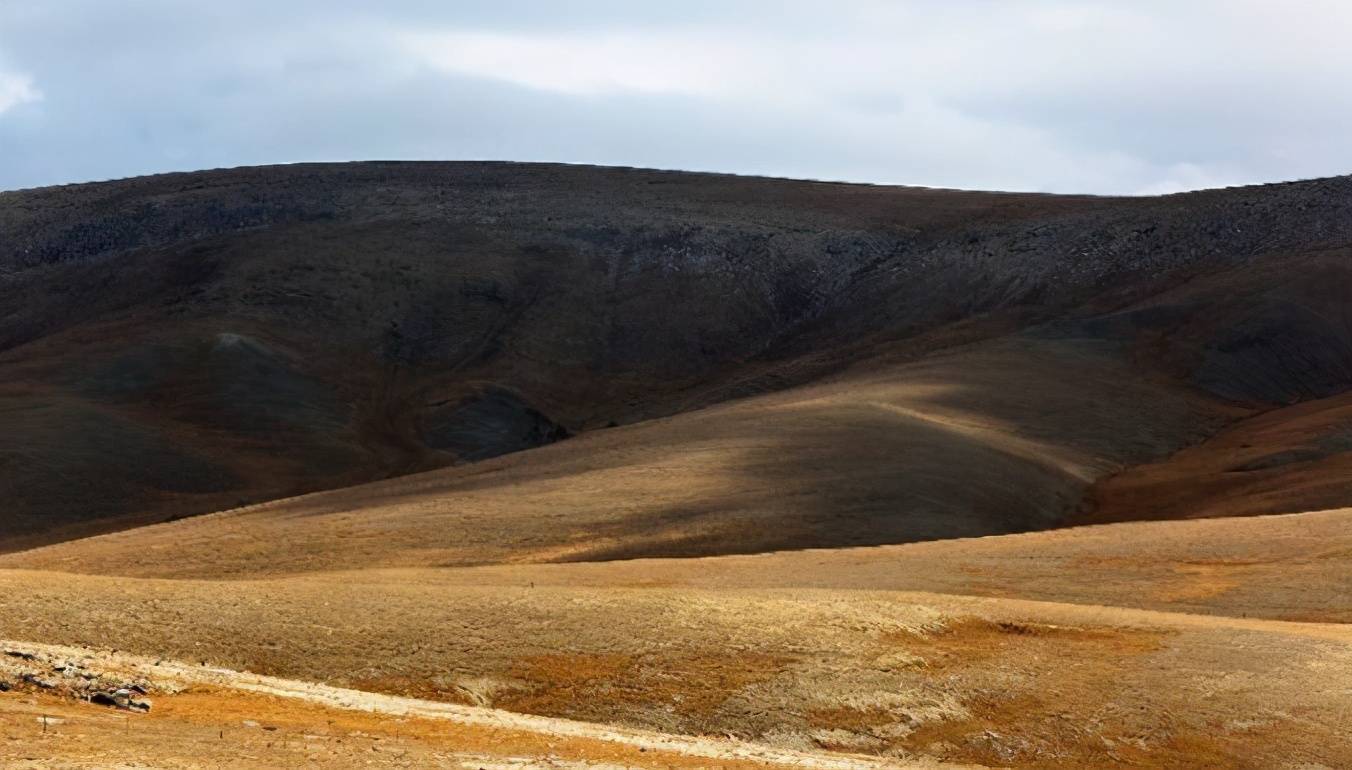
(737,363)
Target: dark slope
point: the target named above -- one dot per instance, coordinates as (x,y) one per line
(182,343)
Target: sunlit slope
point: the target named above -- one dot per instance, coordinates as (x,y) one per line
(1292,567)
(996,437)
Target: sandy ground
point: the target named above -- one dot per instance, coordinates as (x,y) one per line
(991,681)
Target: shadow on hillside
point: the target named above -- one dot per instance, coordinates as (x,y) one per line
(928,451)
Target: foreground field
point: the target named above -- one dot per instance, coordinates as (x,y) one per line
(707,646)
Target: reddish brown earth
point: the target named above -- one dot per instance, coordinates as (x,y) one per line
(1294,458)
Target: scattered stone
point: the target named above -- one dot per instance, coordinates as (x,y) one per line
(38,681)
(121,699)
(4,686)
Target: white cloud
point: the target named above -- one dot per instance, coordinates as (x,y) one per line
(585,64)
(1033,95)
(16,90)
(1058,95)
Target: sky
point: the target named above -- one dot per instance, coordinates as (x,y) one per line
(1129,97)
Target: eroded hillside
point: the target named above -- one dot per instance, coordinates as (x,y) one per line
(194,342)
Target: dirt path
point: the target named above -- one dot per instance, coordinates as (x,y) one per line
(172,677)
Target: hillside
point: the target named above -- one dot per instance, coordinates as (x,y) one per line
(196,342)
(505,465)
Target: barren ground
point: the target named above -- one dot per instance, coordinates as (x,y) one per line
(707,646)
(675,470)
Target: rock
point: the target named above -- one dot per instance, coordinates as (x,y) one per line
(21,654)
(37,681)
(121,699)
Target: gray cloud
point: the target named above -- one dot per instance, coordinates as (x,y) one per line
(1022,94)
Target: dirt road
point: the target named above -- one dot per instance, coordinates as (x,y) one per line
(223,696)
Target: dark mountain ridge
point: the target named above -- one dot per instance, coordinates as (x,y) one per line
(188,342)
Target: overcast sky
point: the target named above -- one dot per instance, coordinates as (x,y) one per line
(1135,96)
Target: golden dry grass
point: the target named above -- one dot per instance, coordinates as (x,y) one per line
(979,680)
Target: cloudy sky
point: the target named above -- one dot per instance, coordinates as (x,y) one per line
(1136,96)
